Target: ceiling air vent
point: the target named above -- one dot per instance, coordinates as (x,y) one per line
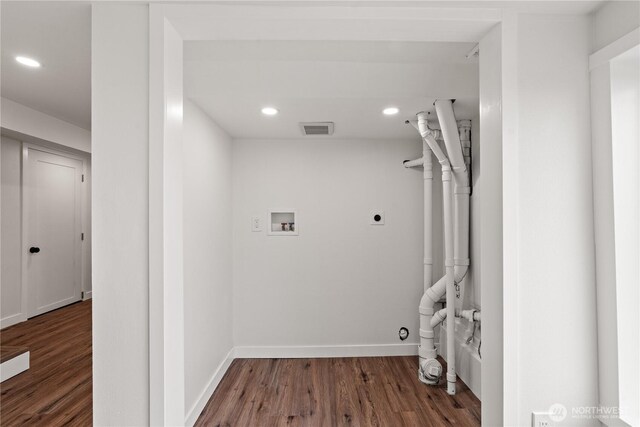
(317,128)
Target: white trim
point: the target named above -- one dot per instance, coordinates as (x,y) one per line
(62,151)
(12,320)
(613,422)
(607,53)
(510,222)
(86,295)
(166,286)
(292,352)
(24,304)
(13,367)
(215,22)
(206,394)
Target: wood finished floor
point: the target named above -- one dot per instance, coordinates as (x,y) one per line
(371,391)
(7,353)
(56,390)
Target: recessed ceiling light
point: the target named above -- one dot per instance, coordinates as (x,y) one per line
(269,111)
(390,111)
(29,62)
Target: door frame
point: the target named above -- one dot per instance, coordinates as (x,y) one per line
(24,194)
(604,220)
(173,24)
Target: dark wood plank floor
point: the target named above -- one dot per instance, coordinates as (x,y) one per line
(374,391)
(8,352)
(371,391)
(56,390)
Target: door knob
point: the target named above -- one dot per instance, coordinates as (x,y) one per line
(34,250)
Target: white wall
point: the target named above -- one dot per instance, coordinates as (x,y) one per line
(487,223)
(604,236)
(11,240)
(342,281)
(23,120)
(556,346)
(625,113)
(612,21)
(207,253)
(120,145)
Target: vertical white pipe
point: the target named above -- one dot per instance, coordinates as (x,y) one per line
(450,277)
(458,264)
(450,133)
(428,215)
(430,369)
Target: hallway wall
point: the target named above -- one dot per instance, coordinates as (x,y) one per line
(555,340)
(11,238)
(208,326)
(38,126)
(120,147)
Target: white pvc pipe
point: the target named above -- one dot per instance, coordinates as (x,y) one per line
(438,317)
(450,277)
(456,211)
(414,163)
(430,369)
(449,127)
(428,215)
(429,137)
(471,315)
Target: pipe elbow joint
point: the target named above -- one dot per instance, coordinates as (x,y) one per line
(429,299)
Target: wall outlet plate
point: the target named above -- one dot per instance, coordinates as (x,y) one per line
(256,224)
(376,217)
(541,419)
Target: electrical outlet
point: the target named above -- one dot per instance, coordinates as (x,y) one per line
(256,224)
(376,217)
(541,419)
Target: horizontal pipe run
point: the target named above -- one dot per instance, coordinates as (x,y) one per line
(413,163)
(471,315)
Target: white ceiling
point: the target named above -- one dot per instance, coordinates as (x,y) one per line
(348,83)
(59,36)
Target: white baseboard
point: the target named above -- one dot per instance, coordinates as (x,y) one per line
(12,320)
(86,295)
(295,352)
(13,367)
(206,394)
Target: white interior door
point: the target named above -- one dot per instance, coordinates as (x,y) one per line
(52,244)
